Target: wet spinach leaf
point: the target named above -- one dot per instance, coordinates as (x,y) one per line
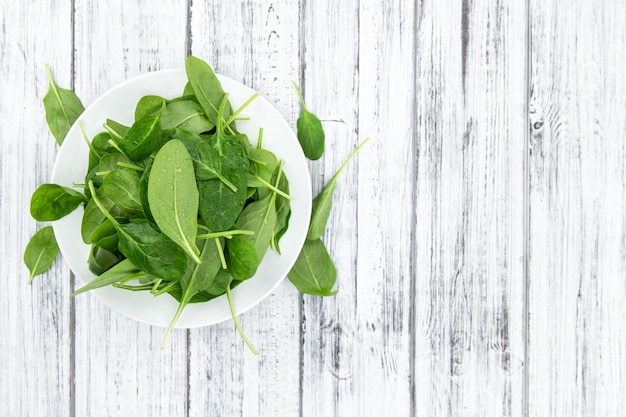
(260,217)
(173,196)
(118,272)
(121,186)
(148,106)
(187,115)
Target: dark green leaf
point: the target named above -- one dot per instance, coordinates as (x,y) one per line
(52,202)
(242,258)
(62,109)
(310,131)
(146,247)
(101,260)
(196,279)
(260,217)
(116,130)
(143,138)
(314,272)
(40,252)
(143,191)
(105,236)
(173,196)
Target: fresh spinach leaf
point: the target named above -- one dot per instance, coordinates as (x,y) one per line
(116,130)
(173,196)
(196,280)
(314,272)
(283,213)
(187,115)
(143,190)
(188,91)
(109,161)
(242,257)
(62,109)
(40,252)
(143,138)
(105,236)
(117,273)
(323,202)
(101,143)
(52,202)
(146,247)
(260,217)
(121,186)
(148,106)
(101,260)
(310,131)
(207,88)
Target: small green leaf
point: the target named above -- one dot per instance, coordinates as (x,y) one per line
(242,257)
(314,272)
(40,252)
(185,114)
(52,202)
(121,186)
(310,131)
(148,106)
(62,109)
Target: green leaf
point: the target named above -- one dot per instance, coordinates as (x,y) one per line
(117,273)
(121,186)
(197,279)
(62,109)
(283,213)
(40,252)
(146,247)
(143,138)
(207,88)
(173,196)
(52,202)
(148,106)
(188,91)
(310,131)
(260,217)
(314,272)
(101,260)
(185,114)
(105,236)
(116,130)
(323,202)
(242,257)
(143,191)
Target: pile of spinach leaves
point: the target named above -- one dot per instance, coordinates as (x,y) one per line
(180,202)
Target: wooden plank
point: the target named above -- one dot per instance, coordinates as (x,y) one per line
(339,371)
(35,373)
(577,343)
(120,368)
(257,44)
(469,247)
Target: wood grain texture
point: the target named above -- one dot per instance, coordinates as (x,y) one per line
(35,372)
(471,96)
(577,274)
(120,369)
(256,43)
(331,355)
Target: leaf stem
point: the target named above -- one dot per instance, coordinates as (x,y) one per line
(112,132)
(221,252)
(342,167)
(227,234)
(130,166)
(273,188)
(87,141)
(101,206)
(259,143)
(299,95)
(165,288)
(237,325)
(240,109)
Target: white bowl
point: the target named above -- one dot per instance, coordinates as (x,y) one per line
(119,104)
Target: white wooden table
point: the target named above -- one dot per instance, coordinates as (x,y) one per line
(480,238)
